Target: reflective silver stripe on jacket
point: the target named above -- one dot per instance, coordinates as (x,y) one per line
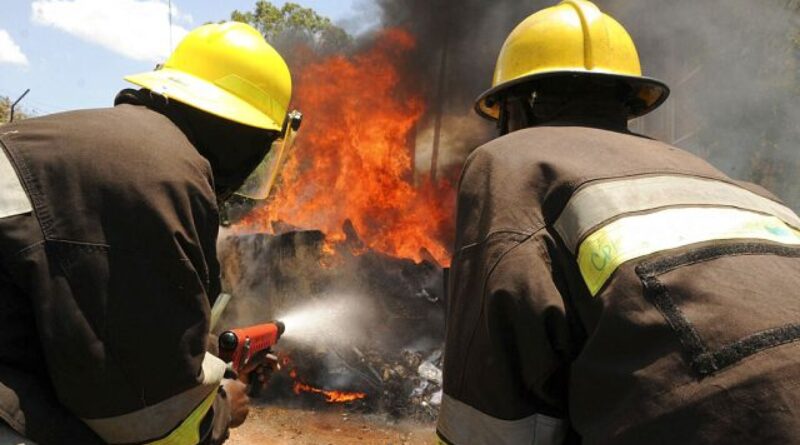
(461,424)
(160,419)
(13,199)
(599,202)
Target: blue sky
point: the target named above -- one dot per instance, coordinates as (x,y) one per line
(73,53)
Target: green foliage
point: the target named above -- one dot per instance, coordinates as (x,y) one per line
(293,24)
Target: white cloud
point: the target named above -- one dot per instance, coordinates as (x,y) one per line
(137,29)
(10,52)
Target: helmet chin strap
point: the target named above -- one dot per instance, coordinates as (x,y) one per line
(517,111)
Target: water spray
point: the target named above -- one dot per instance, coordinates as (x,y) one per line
(335,320)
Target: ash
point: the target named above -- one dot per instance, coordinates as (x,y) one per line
(379,319)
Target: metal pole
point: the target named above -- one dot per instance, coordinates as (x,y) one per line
(169,16)
(439,110)
(11,113)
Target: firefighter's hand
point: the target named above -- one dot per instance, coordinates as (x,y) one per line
(236,393)
(258,371)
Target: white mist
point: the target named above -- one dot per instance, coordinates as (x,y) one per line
(328,320)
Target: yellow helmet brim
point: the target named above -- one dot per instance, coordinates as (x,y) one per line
(203,95)
(648,94)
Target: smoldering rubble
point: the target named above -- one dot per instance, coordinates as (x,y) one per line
(380,319)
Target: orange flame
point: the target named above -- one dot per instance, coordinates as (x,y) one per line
(330,396)
(353,158)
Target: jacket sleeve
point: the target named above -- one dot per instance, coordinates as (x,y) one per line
(507,348)
(124,336)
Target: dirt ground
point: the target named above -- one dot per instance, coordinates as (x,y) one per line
(276,425)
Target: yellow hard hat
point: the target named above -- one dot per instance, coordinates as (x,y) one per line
(571,38)
(228,70)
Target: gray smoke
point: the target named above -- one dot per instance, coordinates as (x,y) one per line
(733,66)
(463,37)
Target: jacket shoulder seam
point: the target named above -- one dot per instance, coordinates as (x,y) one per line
(29,183)
(499,232)
(483,294)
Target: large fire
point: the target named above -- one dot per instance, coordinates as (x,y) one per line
(353,159)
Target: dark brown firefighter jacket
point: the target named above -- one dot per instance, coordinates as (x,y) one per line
(108,224)
(611,289)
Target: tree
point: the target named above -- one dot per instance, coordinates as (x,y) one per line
(5,111)
(292,24)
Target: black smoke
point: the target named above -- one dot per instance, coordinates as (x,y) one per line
(733,66)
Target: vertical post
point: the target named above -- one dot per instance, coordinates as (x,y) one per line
(440,95)
(14,105)
(169,18)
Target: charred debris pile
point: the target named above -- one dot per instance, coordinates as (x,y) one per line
(379,350)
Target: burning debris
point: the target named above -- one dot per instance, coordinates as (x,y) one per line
(402,385)
(330,396)
(363,328)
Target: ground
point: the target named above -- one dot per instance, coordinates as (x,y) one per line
(277,425)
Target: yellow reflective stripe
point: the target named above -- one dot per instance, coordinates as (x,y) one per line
(598,202)
(160,419)
(188,433)
(602,252)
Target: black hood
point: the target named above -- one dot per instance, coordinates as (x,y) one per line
(234,150)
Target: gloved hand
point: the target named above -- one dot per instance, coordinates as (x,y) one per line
(257,372)
(236,394)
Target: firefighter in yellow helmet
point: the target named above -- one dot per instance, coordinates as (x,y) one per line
(108,228)
(608,288)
